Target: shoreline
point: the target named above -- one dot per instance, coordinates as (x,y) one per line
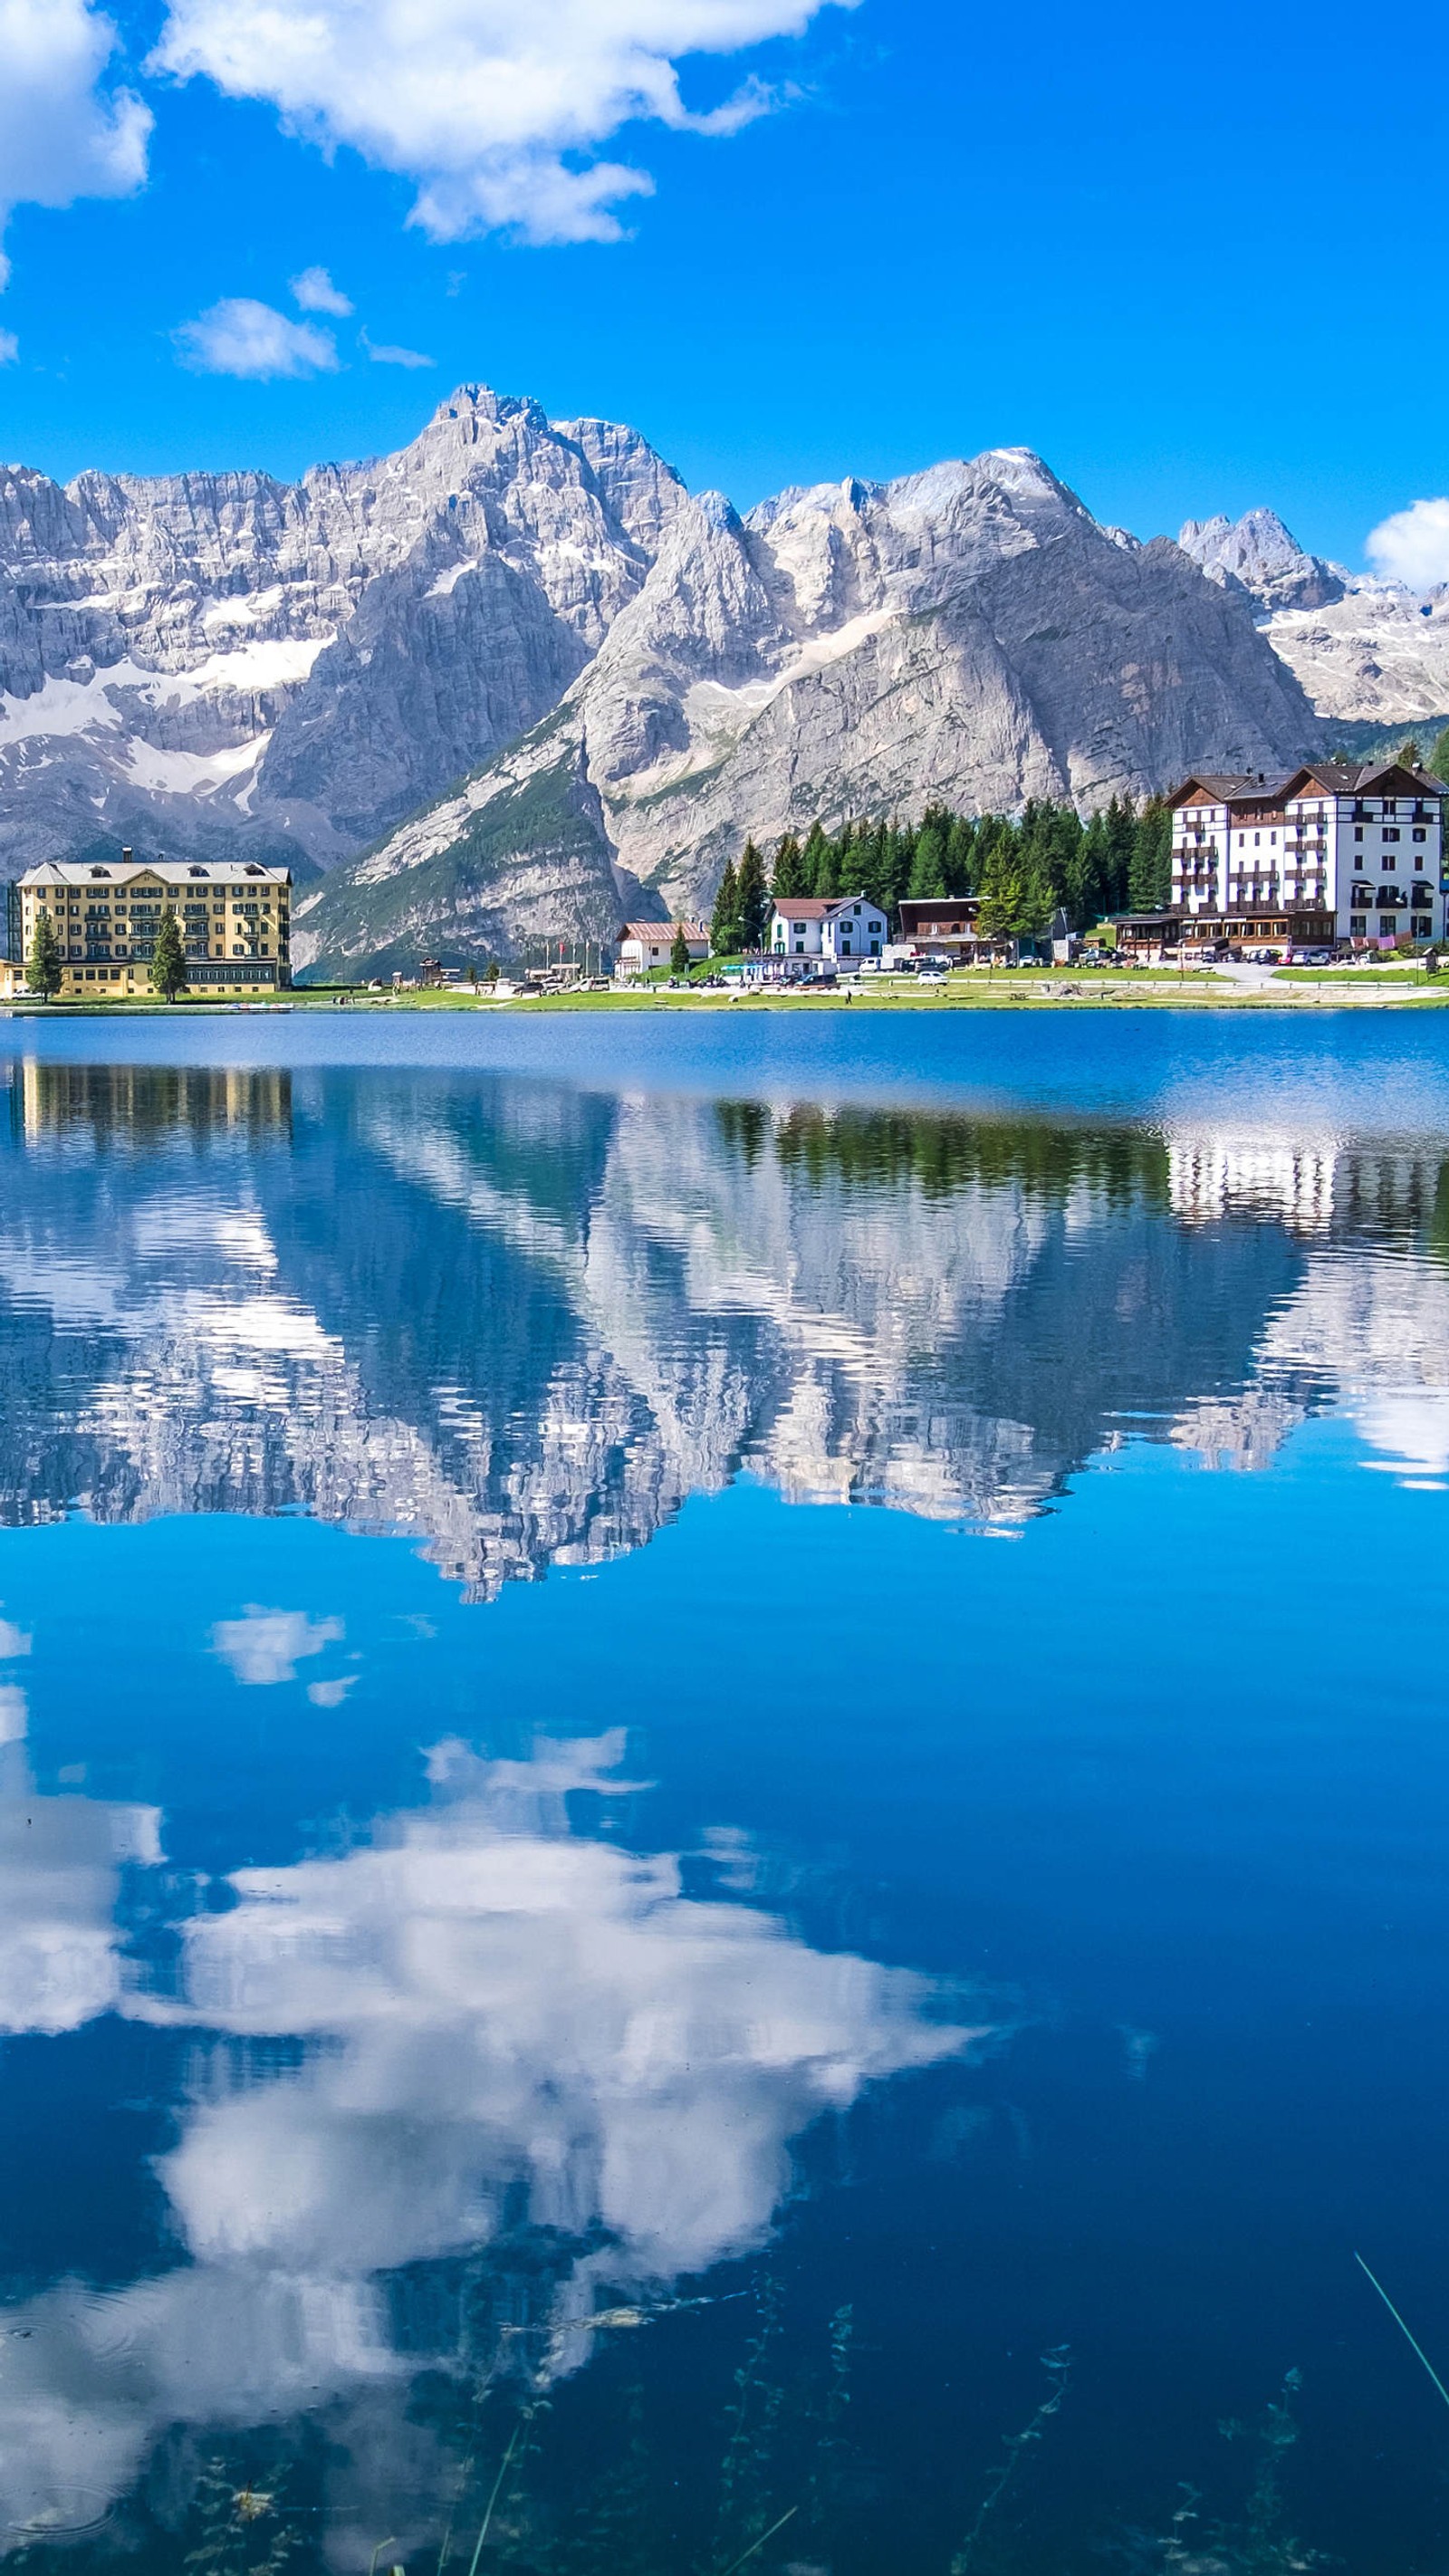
(1146,990)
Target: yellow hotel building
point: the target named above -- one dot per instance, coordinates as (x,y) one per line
(234,918)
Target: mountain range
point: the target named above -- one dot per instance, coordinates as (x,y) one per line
(517,678)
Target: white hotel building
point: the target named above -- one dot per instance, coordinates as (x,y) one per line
(1335,852)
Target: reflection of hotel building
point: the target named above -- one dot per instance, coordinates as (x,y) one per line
(137,1103)
(233,918)
(1335,851)
(1214,1175)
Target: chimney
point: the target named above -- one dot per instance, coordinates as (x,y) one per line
(125,858)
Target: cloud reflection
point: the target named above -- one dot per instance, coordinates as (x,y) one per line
(483,2010)
(60,1866)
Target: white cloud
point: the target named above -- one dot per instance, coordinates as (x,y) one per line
(330,1694)
(1413,545)
(61,135)
(240,337)
(268,1645)
(14,1713)
(491,106)
(387,354)
(13,1640)
(315,293)
(9,348)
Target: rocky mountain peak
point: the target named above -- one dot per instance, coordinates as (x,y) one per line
(1258,552)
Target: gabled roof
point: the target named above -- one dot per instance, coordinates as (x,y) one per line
(1365,778)
(815,907)
(1333,777)
(1395,777)
(655,933)
(1217,786)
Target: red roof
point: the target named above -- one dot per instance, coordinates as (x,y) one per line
(814,907)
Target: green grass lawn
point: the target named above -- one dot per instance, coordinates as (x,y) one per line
(1412,974)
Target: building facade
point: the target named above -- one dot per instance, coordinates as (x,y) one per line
(645,944)
(824,933)
(1335,853)
(940,925)
(234,918)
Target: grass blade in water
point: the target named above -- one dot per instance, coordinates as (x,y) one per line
(1404,2331)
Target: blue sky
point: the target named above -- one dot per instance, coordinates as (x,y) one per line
(1148,248)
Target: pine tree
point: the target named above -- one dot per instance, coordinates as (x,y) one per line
(724,928)
(1035,902)
(679,953)
(895,867)
(1001,894)
(1410,754)
(1096,870)
(753,898)
(43,968)
(817,858)
(1439,757)
(168,964)
(872,870)
(928,862)
(960,855)
(827,874)
(1150,874)
(790,876)
(1121,837)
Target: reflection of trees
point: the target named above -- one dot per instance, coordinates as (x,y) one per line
(942,1154)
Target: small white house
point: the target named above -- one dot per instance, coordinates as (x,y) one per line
(644,944)
(824,932)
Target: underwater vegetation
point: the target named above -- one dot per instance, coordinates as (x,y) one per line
(790,2473)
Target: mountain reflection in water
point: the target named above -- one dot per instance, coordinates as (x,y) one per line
(527,1322)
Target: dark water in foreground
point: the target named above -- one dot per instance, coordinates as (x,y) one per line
(723,1780)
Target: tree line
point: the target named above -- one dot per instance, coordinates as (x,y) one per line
(1022,868)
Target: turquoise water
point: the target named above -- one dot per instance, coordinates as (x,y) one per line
(720,1782)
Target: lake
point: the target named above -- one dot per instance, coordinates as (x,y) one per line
(723,1795)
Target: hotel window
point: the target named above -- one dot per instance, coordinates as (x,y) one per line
(1419,832)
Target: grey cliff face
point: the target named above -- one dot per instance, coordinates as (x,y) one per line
(514,674)
(969,633)
(204,660)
